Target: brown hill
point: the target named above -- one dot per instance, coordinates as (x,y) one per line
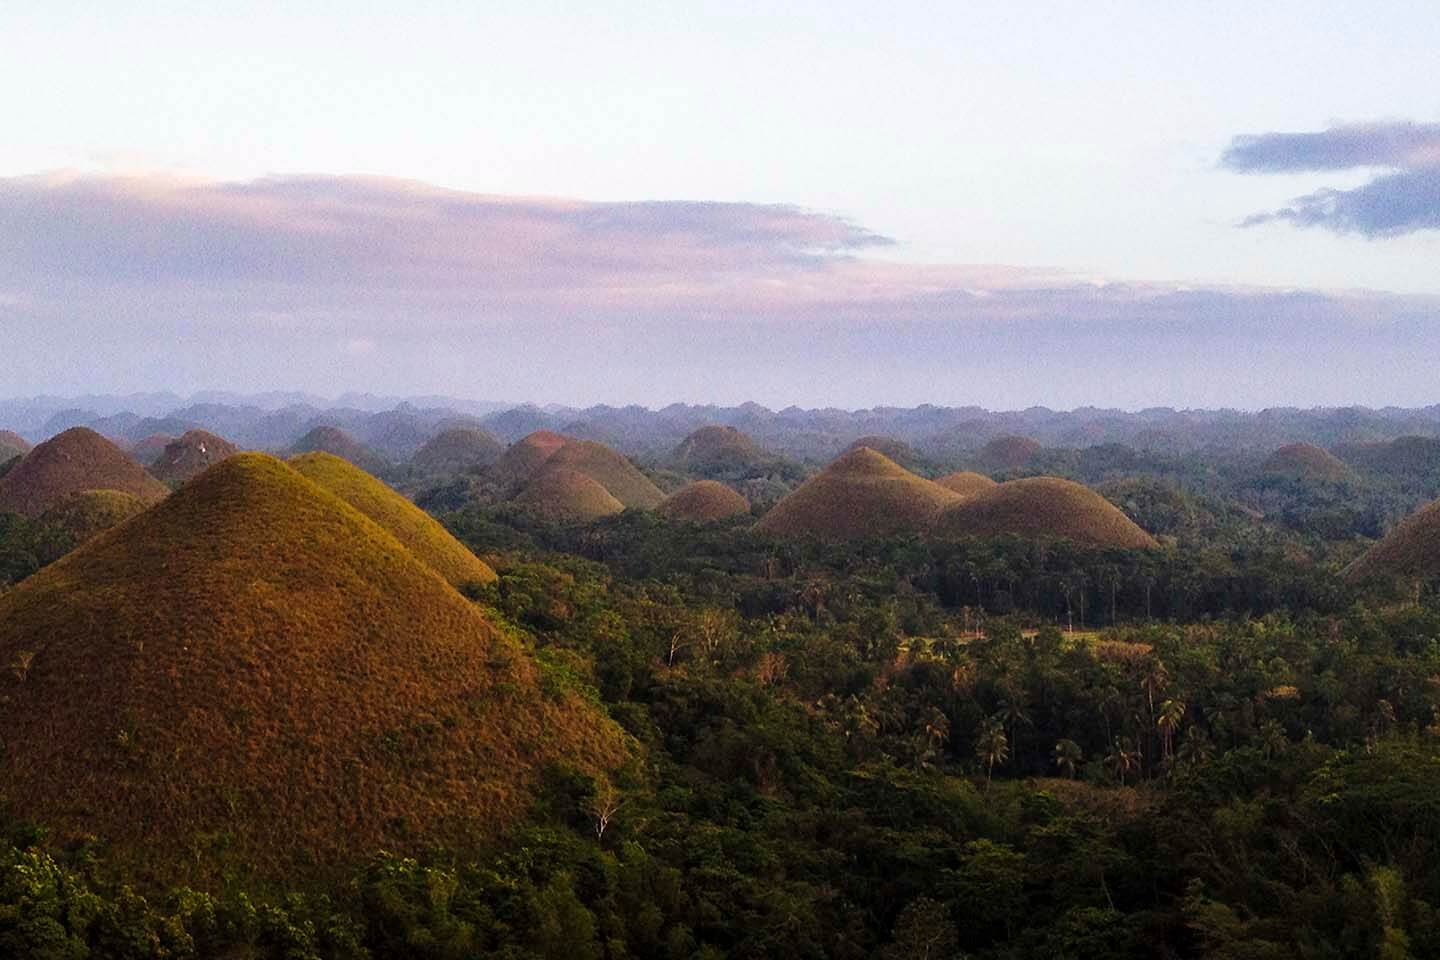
(458,450)
(897,450)
(525,456)
(83,515)
(567,496)
(1043,508)
(1305,461)
(1009,452)
(967,483)
(862,494)
(704,501)
(716,448)
(609,469)
(12,445)
(151,448)
(193,453)
(337,442)
(421,533)
(295,691)
(72,462)
(1412,549)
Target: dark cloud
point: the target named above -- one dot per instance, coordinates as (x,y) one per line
(1404,200)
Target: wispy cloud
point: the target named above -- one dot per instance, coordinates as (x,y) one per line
(1403,198)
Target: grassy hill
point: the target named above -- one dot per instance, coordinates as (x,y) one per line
(1043,508)
(416,529)
(91,512)
(1306,461)
(714,449)
(967,483)
(897,450)
(458,450)
(861,494)
(253,675)
(1412,549)
(151,448)
(191,454)
(337,442)
(1009,452)
(703,501)
(567,496)
(523,457)
(72,462)
(609,469)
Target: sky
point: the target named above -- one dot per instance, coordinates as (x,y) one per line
(1116,203)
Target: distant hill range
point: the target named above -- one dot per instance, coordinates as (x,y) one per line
(398,428)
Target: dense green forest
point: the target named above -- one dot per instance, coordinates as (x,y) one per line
(897,748)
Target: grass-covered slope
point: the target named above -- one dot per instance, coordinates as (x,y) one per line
(191,454)
(967,483)
(892,447)
(91,512)
(1043,508)
(333,440)
(254,675)
(12,445)
(151,448)
(567,496)
(416,529)
(69,463)
(703,501)
(1412,549)
(458,450)
(1305,461)
(609,469)
(862,494)
(715,448)
(525,456)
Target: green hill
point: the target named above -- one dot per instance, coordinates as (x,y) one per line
(254,676)
(715,449)
(457,451)
(1306,461)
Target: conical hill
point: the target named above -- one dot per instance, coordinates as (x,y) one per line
(967,483)
(704,501)
(191,454)
(1305,461)
(254,676)
(1044,508)
(1412,549)
(458,450)
(69,463)
(416,529)
(333,440)
(862,494)
(609,469)
(715,448)
(523,457)
(892,447)
(567,496)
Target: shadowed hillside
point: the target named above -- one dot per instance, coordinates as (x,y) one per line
(567,496)
(416,529)
(458,450)
(337,442)
(1412,549)
(1305,461)
(84,515)
(151,448)
(1044,508)
(862,494)
(704,501)
(295,692)
(967,483)
(75,461)
(716,449)
(609,469)
(193,453)
(12,445)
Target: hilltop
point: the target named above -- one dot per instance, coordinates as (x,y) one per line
(523,457)
(151,448)
(896,449)
(337,442)
(567,496)
(861,494)
(704,501)
(458,450)
(967,483)
(1043,508)
(192,453)
(12,445)
(609,469)
(294,692)
(1412,549)
(1306,461)
(84,515)
(416,529)
(715,448)
(72,462)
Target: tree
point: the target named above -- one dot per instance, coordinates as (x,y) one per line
(603,804)
(1172,711)
(923,931)
(1123,759)
(1068,757)
(992,747)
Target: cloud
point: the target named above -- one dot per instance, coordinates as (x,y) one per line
(292,282)
(1403,200)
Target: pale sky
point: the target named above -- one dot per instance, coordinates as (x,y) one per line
(1063,144)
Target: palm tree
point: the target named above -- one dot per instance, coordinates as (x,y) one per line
(992,746)
(1273,740)
(1172,711)
(1196,748)
(1123,758)
(1068,757)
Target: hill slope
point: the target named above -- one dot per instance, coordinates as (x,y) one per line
(72,462)
(609,469)
(458,450)
(190,455)
(716,448)
(568,496)
(12,445)
(967,483)
(333,440)
(523,457)
(421,533)
(1307,462)
(862,494)
(1412,549)
(704,501)
(896,449)
(151,448)
(1043,508)
(1009,452)
(84,515)
(294,692)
